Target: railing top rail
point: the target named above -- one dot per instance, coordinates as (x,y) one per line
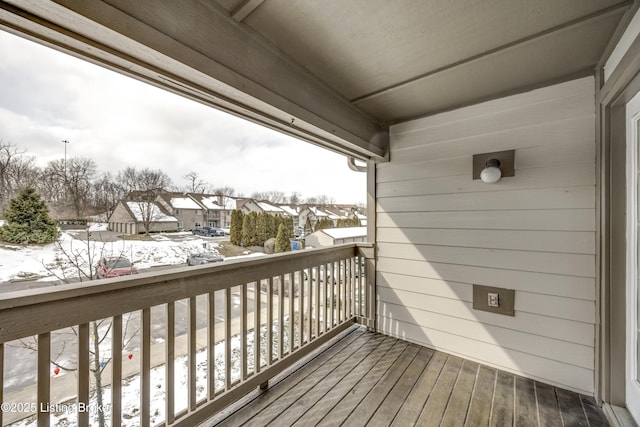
(26,313)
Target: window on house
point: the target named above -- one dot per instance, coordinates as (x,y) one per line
(180,226)
(178,212)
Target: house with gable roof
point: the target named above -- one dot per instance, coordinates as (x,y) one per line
(184,208)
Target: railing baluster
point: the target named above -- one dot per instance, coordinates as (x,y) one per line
(292,321)
(116,371)
(340,301)
(301,307)
(243,332)
(309,305)
(281,317)
(332,294)
(347,289)
(317,307)
(145,369)
(193,374)
(270,322)
(83,372)
(44,377)
(170,353)
(363,269)
(211,344)
(257,324)
(227,339)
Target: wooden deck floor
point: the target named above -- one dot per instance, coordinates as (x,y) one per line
(374,380)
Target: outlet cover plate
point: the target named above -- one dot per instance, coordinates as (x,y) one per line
(506,299)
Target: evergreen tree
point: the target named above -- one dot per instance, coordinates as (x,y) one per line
(27,220)
(277,221)
(236,227)
(262,228)
(271,227)
(307,226)
(323,223)
(249,229)
(283,244)
(288,222)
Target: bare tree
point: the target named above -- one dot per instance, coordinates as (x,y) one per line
(273,196)
(195,184)
(16,171)
(80,175)
(106,193)
(295,198)
(144,187)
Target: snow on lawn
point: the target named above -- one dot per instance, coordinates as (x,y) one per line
(45,262)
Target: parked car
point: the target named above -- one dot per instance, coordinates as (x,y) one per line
(114,267)
(203,258)
(208,232)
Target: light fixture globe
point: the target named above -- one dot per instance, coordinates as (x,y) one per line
(491,172)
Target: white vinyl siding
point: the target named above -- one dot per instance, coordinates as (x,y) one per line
(439,232)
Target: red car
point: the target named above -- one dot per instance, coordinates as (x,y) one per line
(114,267)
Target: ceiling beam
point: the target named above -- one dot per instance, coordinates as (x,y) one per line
(196,49)
(245,9)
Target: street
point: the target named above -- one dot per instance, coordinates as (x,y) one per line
(21,358)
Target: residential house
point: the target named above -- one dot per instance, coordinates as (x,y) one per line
(251,205)
(131,217)
(292,211)
(335,236)
(312,213)
(188,212)
(501,149)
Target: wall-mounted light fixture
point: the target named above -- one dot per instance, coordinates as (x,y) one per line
(491,172)
(490,167)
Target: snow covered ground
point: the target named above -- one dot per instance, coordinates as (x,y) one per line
(45,262)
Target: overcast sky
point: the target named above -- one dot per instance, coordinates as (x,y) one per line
(47,96)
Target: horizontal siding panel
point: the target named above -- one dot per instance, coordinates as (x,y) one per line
(550,220)
(544,305)
(546,370)
(542,262)
(535,345)
(544,198)
(529,157)
(553,111)
(539,96)
(543,241)
(540,283)
(551,177)
(455,299)
(439,232)
(577,130)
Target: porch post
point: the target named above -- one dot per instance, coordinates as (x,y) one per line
(370,267)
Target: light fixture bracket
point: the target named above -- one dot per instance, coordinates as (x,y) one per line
(505,159)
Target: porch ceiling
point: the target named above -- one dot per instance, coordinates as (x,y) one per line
(333,72)
(398,60)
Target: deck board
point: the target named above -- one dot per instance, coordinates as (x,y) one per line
(480,406)
(368,379)
(387,411)
(458,407)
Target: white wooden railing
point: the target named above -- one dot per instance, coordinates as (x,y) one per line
(234,325)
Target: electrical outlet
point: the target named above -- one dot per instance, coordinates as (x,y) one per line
(493,299)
